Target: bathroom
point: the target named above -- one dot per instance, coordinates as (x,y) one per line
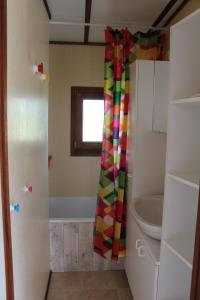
(61,236)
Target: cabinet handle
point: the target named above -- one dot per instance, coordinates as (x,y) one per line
(141,251)
(138,244)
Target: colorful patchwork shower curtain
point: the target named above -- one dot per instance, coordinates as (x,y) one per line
(122,48)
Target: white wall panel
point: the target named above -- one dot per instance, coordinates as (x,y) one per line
(66,33)
(128,11)
(27,142)
(70,10)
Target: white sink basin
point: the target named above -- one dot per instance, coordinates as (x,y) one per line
(148,211)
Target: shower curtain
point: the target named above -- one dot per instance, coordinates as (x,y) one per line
(121,49)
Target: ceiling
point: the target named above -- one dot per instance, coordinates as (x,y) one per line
(107,12)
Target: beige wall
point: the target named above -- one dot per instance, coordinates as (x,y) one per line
(191,6)
(28,148)
(71,66)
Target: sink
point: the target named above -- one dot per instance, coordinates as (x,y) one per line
(148,211)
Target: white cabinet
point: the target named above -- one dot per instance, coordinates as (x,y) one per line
(161,96)
(146,172)
(146,149)
(141,269)
(183,162)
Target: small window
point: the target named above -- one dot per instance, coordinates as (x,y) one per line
(87,115)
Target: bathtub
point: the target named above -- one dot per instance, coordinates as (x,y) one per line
(72,208)
(71,227)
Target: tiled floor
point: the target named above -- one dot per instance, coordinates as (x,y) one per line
(109,285)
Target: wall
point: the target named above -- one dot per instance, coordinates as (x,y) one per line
(28,149)
(190,7)
(71,66)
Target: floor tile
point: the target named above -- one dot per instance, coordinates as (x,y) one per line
(65,281)
(68,295)
(102,294)
(125,294)
(109,285)
(98,280)
(120,279)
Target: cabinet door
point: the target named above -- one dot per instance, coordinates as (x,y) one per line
(131,252)
(145,277)
(141,272)
(161,96)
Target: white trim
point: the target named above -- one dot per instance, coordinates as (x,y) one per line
(72,220)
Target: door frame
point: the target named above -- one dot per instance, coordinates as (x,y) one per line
(195,288)
(4,176)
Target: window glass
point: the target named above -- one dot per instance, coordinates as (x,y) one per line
(93,116)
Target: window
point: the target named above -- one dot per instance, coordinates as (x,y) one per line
(87,115)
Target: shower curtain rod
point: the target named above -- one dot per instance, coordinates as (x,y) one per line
(105,25)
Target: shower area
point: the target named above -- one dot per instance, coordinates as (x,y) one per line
(73,180)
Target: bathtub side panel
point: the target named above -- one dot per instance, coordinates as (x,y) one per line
(72,247)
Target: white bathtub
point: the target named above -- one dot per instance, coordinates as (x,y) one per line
(72,209)
(71,227)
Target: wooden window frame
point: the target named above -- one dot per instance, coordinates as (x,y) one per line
(78,94)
